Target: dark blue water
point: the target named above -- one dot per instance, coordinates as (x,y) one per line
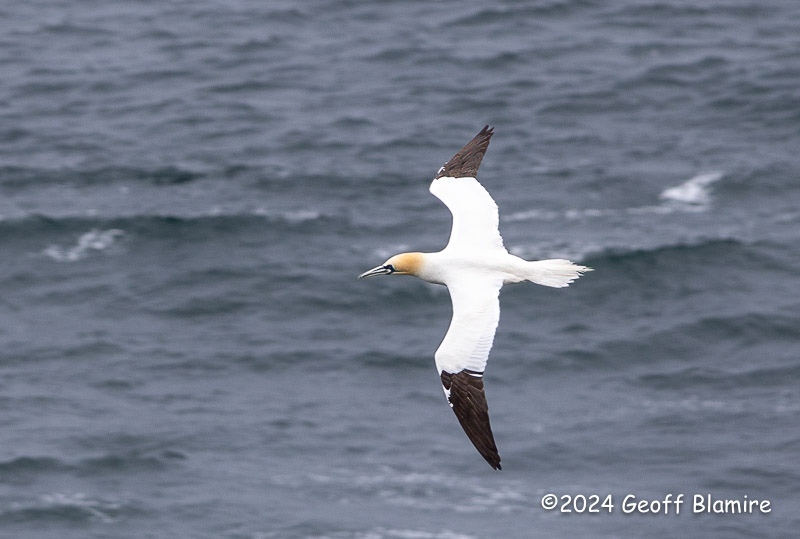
(189,189)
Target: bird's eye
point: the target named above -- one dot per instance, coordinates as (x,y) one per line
(390,268)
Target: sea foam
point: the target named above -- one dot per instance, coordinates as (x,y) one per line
(94,240)
(696,190)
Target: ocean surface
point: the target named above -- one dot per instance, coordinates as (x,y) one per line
(188,190)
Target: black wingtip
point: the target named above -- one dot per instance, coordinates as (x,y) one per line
(494,461)
(469,404)
(467,160)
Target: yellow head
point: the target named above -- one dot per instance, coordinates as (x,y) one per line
(402,264)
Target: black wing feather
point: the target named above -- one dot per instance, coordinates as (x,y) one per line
(469,404)
(465,163)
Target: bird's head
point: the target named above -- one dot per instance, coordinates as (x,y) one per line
(402,264)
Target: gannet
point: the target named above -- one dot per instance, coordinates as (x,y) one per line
(474,266)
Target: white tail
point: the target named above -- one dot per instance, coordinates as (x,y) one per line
(555,272)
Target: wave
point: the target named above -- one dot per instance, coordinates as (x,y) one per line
(19,469)
(397,533)
(624,254)
(697,378)
(24,177)
(701,250)
(97,232)
(660,12)
(723,251)
(94,240)
(76,240)
(576,251)
(28,465)
(441,491)
(693,195)
(311,531)
(696,190)
(549,8)
(736,337)
(709,260)
(730,343)
(709,69)
(67,507)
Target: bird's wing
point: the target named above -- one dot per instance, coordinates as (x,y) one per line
(461,358)
(465,163)
(475,216)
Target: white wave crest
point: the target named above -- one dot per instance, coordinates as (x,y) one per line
(693,195)
(94,240)
(291,217)
(695,190)
(532,215)
(431,491)
(94,508)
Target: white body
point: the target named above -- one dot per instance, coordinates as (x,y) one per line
(474,266)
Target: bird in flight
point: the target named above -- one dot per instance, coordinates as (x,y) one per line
(474,266)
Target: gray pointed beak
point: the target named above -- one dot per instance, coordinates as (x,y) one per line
(380,270)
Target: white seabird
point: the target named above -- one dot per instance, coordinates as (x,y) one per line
(474,266)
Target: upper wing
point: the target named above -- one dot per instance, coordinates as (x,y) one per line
(461,359)
(475,216)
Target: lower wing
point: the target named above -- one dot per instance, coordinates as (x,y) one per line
(461,359)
